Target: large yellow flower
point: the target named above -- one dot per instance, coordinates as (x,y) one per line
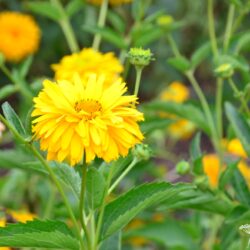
(87,62)
(113,2)
(83,118)
(19,35)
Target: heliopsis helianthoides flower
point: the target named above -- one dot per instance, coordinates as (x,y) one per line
(112,2)
(83,118)
(19,35)
(87,62)
(235,147)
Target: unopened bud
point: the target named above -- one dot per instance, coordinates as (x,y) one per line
(142,152)
(183,167)
(165,21)
(140,57)
(225,70)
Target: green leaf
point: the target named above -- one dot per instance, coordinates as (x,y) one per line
(196,154)
(180,63)
(25,66)
(95,184)
(170,234)
(13,119)
(186,111)
(242,42)
(227,174)
(119,212)
(44,9)
(73,6)
(112,243)
(240,126)
(7,90)
(39,234)
(200,54)
(107,34)
(153,123)
(117,21)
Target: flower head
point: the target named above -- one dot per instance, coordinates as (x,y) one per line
(140,57)
(235,147)
(19,35)
(112,2)
(181,129)
(81,117)
(87,62)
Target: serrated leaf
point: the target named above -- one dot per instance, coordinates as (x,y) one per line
(107,34)
(95,184)
(240,126)
(7,90)
(186,111)
(119,212)
(13,119)
(39,234)
(200,54)
(180,63)
(44,9)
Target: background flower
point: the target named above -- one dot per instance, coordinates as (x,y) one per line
(19,35)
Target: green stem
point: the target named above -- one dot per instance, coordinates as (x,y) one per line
(66,27)
(211,28)
(124,173)
(81,204)
(138,80)
(173,46)
(229,27)
(102,208)
(101,23)
(51,174)
(239,95)
(218,104)
(206,109)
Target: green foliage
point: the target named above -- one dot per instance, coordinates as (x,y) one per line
(39,234)
(113,242)
(180,63)
(123,209)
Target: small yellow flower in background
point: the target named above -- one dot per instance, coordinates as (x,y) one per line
(175,92)
(211,167)
(19,35)
(82,118)
(165,21)
(21,216)
(181,129)
(235,147)
(113,2)
(87,62)
(159,217)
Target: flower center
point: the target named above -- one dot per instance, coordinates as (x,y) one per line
(89,106)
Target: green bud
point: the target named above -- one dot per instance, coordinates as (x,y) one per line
(245,228)
(142,152)
(165,21)
(140,57)
(183,167)
(225,70)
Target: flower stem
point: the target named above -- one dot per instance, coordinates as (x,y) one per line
(66,27)
(81,205)
(219,95)
(101,23)
(173,46)
(138,80)
(211,27)
(229,27)
(124,173)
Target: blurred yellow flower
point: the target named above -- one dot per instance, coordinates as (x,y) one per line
(21,216)
(87,62)
(211,167)
(235,147)
(19,35)
(83,118)
(158,217)
(181,129)
(175,92)
(113,2)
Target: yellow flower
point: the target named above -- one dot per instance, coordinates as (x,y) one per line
(83,118)
(113,2)
(235,147)
(19,35)
(181,129)
(21,216)
(87,62)
(175,92)
(211,167)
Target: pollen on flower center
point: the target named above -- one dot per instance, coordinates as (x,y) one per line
(89,106)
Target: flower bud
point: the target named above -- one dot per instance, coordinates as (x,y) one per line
(142,152)
(165,21)
(225,70)
(140,57)
(183,167)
